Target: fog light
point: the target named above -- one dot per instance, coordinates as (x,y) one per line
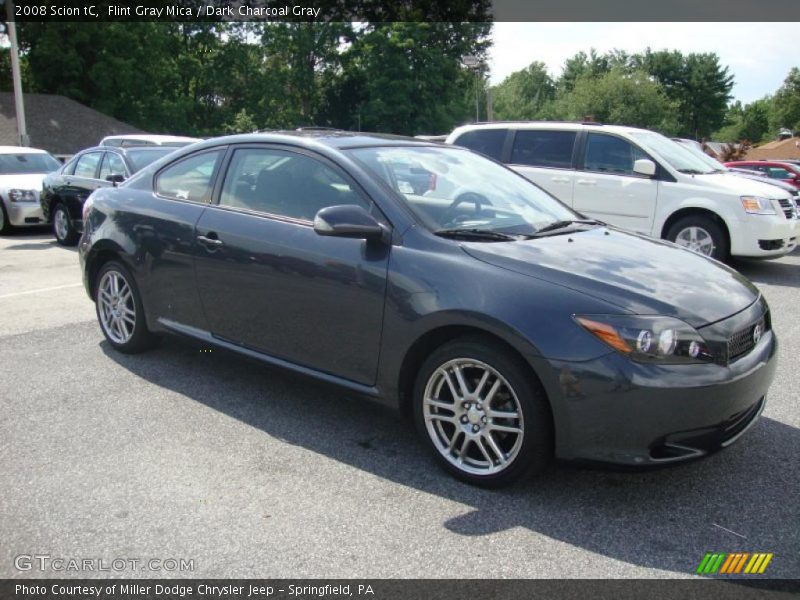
(667,341)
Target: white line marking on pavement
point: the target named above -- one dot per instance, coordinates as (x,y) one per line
(50,289)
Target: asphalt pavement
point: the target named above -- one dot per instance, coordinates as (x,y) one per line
(244,471)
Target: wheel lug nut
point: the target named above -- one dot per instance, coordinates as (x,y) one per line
(464,419)
(475,429)
(479,407)
(483,419)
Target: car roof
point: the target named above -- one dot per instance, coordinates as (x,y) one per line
(561,125)
(150,138)
(21,150)
(316,137)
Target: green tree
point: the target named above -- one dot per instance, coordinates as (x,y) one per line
(621,99)
(786,104)
(525,94)
(749,122)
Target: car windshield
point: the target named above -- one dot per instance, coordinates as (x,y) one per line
(141,158)
(675,155)
(452,188)
(27,162)
(712,162)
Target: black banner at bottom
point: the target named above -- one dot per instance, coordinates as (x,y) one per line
(394,589)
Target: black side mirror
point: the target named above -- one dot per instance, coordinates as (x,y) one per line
(116,178)
(350,221)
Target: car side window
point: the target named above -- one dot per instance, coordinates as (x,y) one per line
(486,141)
(87,165)
(543,148)
(284,183)
(777,173)
(610,154)
(190,178)
(112,165)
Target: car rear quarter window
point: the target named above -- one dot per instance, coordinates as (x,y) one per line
(543,148)
(610,154)
(489,142)
(284,183)
(87,165)
(112,165)
(190,178)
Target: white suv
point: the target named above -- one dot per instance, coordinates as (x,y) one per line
(643,181)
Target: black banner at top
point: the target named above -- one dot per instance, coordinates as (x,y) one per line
(407,10)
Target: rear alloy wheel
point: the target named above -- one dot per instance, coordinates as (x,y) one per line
(700,234)
(120,311)
(63,228)
(487,422)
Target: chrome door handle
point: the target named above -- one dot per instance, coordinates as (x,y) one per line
(210,241)
(586,182)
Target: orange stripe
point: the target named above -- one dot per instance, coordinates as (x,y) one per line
(727,563)
(765,563)
(741,562)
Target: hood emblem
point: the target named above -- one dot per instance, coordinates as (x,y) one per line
(757,332)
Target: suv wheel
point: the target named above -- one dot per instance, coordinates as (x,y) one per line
(5,224)
(483,415)
(120,311)
(63,228)
(700,234)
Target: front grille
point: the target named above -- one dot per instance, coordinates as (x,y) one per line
(787,208)
(741,342)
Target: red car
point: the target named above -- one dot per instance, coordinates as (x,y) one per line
(785,171)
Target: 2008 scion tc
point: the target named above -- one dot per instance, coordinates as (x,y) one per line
(434,279)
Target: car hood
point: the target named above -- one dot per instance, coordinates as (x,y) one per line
(742,186)
(638,274)
(22,181)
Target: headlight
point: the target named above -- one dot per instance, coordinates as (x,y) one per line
(22,195)
(663,340)
(754,205)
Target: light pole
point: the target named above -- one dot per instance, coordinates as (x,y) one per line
(474,63)
(19,105)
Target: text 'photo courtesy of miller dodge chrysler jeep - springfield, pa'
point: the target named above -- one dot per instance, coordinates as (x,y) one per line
(428,277)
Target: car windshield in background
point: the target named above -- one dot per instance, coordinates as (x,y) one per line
(16,164)
(451,188)
(141,158)
(676,155)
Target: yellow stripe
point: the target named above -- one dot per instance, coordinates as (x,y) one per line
(754,562)
(765,563)
(727,563)
(741,562)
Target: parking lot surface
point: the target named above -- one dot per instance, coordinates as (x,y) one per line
(250,472)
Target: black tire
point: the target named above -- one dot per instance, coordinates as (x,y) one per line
(70,236)
(710,226)
(5,225)
(535,449)
(141,338)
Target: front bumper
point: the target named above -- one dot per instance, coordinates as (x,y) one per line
(21,214)
(613,410)
(764,236)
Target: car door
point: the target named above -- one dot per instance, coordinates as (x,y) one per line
(607,188)
(545,157)
(267,281)
(77,182)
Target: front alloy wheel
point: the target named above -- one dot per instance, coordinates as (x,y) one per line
(483,413)
(63,228)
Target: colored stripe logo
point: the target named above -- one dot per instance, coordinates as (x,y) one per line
(735,563)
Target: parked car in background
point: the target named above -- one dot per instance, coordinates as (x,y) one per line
(697,150)
(645,182)
(124,141)
(64,191)
(782,171)
(21,173)
(508,325)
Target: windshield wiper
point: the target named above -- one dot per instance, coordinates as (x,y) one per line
(475,233)
(694,172)
(562,224)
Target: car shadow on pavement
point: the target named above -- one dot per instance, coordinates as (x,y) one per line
(769,272)
(743,499)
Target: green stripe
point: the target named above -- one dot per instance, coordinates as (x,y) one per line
(703,562)
(718,564)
